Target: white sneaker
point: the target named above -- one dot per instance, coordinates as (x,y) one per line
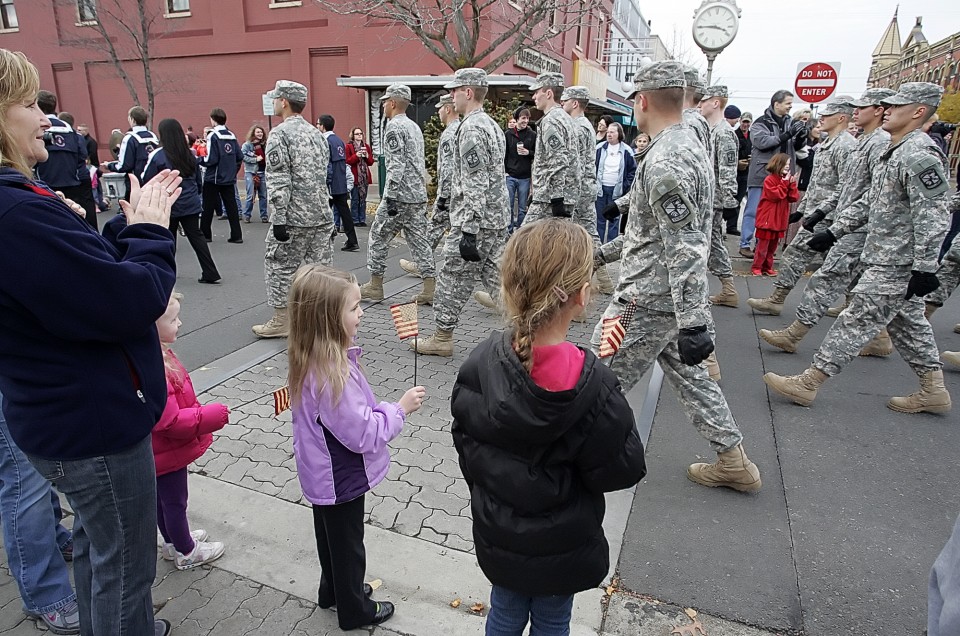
(203,552)
(169,553)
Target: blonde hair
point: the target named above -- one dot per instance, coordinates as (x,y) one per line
(19,84)
(544,265)
(173,370)
(318,342)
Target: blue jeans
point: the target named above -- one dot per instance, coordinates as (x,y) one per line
(114,536)
(607,230)
(261,193)
(510,611)
(519,189)
(358,208)
(32,533)
(748,225)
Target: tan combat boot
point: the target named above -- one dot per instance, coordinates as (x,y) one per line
(733,469)
(772,304)
(956,328)
(713,367)
(802,389)
(931,398)
(485,299)
(439,344)
(786,339)
(604,283)
(929,309)
(425,297)
(833,312)
(728,296)
(881,345)
(276,327)
(372,290)
(409,267)
(951,357)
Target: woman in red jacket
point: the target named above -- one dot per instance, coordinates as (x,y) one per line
(773,212)
(359,158)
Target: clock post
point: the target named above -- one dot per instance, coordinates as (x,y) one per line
(715,25)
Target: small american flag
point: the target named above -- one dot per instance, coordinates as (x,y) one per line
(614,329)
(281,400)
(405,319)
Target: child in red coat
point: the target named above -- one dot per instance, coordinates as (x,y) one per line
(184,433)
(773,212)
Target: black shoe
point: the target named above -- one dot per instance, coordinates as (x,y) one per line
(384,611)
(222,217)
(350,248)
(337,229)
(208,239)
(237,241)
(264,220)
(161,627)
(733,232)
(209,282)
(360,224)
(367,591)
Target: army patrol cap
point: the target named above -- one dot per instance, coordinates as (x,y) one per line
(916,93)
(746,117)
(692,78)
(872,97)
(444,100)
(545,80)
(657,76)
(579,93)
(290,91)
(397,91)
(839,105)
(468,77)
(717,90)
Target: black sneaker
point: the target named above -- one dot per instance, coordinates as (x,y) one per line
(237,241)
(733,232)
(384,611)
(350,248)
(161,627)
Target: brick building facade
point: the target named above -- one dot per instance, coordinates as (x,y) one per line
(915,59)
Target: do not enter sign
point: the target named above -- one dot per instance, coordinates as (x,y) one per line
(816,81)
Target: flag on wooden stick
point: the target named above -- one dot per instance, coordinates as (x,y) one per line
(405,319)
(281,400)
(614,329)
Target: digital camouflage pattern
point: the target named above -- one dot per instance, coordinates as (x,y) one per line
(458,277)
(726,148)
(404,157)
(554,169)
(297,155)
(281,260)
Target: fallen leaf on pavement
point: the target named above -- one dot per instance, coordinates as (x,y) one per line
(375,584)
(477,608)
(455,603)
(692,613)
(694,629)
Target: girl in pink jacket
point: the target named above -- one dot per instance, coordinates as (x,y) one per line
(184,433)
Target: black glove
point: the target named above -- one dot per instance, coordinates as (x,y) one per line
(811,221)
(392,209)
(797,128)
(468,248)
(529,198)
(730,213)
(822,241)
(611,212)
(280,233)
(921,284)
(333,234)
(330,201)
(598,260)
(795,216)
(695,344)
(623,222)
(558,208)
(785,135)
(442,203)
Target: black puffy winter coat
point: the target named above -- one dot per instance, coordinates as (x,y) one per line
(537,463)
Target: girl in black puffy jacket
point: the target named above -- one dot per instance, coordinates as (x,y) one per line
(543,430)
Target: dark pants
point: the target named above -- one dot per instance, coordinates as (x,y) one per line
(343,562)
(358,207)
(951,234)
(607,230)
(172,510)
(191,227)
(83,196)
(341,204)
(214,196)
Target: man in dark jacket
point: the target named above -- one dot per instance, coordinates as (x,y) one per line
(337,183)
(135,147)
(521,146)
(93,157)
(771,133)
(742,131)
(222,162)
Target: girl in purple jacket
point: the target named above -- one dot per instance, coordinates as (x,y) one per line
(340,434)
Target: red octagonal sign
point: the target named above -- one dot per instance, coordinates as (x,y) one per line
(816,82)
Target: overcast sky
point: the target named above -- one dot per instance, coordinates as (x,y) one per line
(776,36)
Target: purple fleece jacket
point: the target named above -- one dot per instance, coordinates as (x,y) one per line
(341,449)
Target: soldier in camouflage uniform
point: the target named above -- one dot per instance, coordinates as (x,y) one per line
(842,267)
(302,229)
(555,171)
(663,270)
(907,223)
(829,170)
(479,217)
(725,149)
(404,196)
(574,101)
(693,93)
(949,272)
(440,220)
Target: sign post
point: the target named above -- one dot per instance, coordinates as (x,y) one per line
(816,81)
(267,103)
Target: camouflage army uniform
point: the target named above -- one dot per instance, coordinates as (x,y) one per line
(725,149)
(907,223)
(585,211)
(440,221)
(841,266)
(406,185)
(829,169)
(478,206)
(555,166)
(297,155)
(949,272)
(701,130)
(663,269)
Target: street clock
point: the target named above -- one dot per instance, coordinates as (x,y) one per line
(715,25)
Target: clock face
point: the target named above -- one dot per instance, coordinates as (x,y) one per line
(715,27)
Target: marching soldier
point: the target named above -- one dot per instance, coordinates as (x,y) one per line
(554,189)
(479,217)
(302,223)
(403,198)
(907,222)
(693,93)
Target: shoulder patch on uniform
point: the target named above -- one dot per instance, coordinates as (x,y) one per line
(930,178)
(393,141)
(730,156)
(470,152)
(675,208)
(553,141)
(274,158)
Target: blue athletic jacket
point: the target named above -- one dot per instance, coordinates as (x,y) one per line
(188,202)
(66,163)
(223,157)
(134,150)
